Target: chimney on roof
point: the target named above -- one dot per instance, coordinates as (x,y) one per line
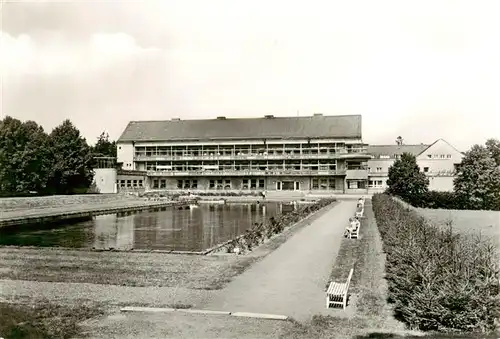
(318,114)
(221,118)
(269,116)
(176,119)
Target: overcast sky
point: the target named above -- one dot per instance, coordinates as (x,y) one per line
(420,69)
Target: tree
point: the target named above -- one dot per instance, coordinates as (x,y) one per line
(72,170)
(477,183)
(493,146)
(25,160)
(399,140)
(406,180)
(104,147)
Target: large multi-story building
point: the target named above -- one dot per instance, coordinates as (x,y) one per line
(438,161)
(324,153)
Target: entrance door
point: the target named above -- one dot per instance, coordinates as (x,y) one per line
(278,185)
(288,185)
(297,186)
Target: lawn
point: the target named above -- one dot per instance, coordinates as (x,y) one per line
(485,223)
(117,268)
(44,320)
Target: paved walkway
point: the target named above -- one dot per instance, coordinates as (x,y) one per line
(292,279)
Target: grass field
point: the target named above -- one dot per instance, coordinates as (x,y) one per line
(30,203)
(484,223)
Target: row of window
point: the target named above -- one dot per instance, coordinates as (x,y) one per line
(130,183)
(323,184)
(256,167)
(375,183)
(439,156)
(356,184)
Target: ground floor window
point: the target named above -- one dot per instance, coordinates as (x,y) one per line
(356,184)
(315,184)
(122,183)
(375,183)
(217,184)
(140,183)
(187,184)
(253,184)
(323,184)
(155,183)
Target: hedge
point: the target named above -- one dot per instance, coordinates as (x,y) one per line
(438,280)
(438,199)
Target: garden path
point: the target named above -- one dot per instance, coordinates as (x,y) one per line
(291,280)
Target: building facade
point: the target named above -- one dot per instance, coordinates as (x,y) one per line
(315,153)
(438,161)
(105,175)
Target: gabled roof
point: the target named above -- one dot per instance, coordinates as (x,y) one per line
(317,126)
(435,142)
(392,150)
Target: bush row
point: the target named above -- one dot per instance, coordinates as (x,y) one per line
(436,199)
(438,280)
(274,225)
(445,200)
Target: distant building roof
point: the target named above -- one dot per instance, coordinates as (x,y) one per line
(379,151)
(317,126)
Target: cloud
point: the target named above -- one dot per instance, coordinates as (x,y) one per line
(52,53)
(422,70)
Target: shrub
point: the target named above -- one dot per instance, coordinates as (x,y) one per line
(437,279)
(436,199)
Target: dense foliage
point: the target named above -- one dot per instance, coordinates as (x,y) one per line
(34,162)
(104,147)
(477,184)
(438,280)
(406,180)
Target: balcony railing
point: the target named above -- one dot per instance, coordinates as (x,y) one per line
(357,174)
(251,172)
(249,156)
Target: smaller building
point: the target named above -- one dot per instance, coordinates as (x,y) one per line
(131,181)
(438,161)
(105,174)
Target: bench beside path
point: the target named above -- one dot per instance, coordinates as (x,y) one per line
(290,280)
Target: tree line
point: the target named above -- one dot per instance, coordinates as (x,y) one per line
(476,185)
(35,162)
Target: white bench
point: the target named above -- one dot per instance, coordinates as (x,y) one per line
(360,213)
(354,234)
(337,292)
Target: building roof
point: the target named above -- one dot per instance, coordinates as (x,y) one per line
(392,150)
(435,142)
(317,126)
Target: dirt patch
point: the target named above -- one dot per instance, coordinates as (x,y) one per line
(182,325)
(44,320)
